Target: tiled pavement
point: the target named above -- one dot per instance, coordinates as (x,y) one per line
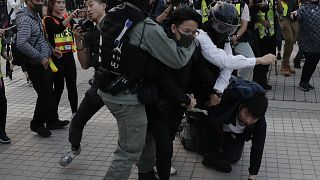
(292,148)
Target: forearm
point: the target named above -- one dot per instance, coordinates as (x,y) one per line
(83,54)
(223,80)
(164,14)
(243,28)
(67,20)
(220,58)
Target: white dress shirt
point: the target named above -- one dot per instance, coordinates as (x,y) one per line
(223,59)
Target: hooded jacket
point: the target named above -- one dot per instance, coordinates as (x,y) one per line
(30,29)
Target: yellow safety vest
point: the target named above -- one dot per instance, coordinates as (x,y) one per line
(64,40)
(263,31)
(204,11)
(1,75)
(238,7)
(285,8)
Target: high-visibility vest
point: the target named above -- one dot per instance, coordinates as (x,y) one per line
(285,8)
(263,31)
(0,57)
(64,40)
(204,11)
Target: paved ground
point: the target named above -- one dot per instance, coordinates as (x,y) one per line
(292,148)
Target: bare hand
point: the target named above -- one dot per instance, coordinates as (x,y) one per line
(214,100)
(45,63)
(56,52)
(266,24)
(234,39)
(77,32)
(293,14)
(193,101)
(268,59)
(75,13)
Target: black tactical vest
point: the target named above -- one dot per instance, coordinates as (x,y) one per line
(117,55)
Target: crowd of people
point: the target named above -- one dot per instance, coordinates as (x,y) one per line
(156,61)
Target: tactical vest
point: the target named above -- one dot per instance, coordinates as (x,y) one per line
(64,40)
(117,55)
(263,31)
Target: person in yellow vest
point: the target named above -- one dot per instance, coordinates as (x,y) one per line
(3,101)
(265,42)
(58,28)
(289,27)
(240,38)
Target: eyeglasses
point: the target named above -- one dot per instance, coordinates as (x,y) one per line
(188,32)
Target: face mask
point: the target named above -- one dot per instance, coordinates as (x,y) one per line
(37,8)
(185,40)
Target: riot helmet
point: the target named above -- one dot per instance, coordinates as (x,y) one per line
(224,18)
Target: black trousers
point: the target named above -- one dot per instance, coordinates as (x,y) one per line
(67,72)
(42,83)
(90,104)
(3,106)
(312,59)
(216,139)
(232,148)
(164,125)
(263,46)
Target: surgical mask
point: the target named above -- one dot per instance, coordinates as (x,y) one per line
(185,40)
(37,8)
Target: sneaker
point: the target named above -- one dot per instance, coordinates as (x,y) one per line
(42,131)
(304,86)
(279,56)
(147,176)
(310,87)
(4,139)
(59,125)
(67,158)
(173,171)
(217,163)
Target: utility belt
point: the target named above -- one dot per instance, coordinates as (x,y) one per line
(113,82)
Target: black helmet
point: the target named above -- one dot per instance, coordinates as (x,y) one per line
(224,17)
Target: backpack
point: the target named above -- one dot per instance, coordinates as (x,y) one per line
(19,59)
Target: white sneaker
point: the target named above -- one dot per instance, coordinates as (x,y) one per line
(173,171)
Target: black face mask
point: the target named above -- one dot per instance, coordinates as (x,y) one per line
(37,8)
(185,40)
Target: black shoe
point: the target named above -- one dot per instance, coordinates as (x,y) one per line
(267,87)
(147,176)
(304,86)
(42,131)
(279,56)
(4,139)
(296,64)
(58,125)
(217,163)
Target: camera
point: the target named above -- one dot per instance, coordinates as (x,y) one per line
(85,24)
